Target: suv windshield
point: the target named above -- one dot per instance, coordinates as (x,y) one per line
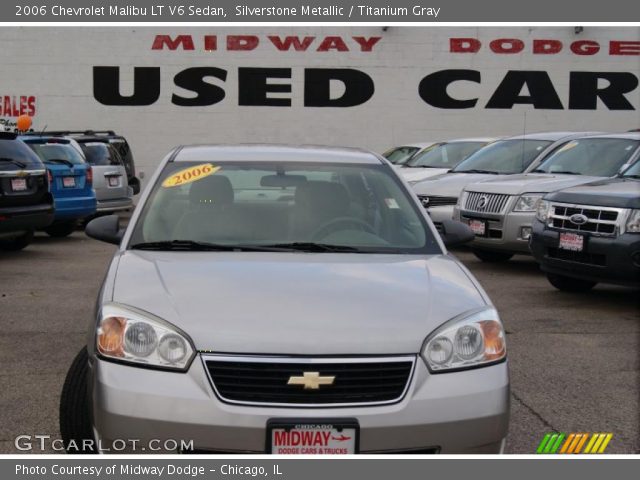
(597,157)
(56,151)
(504,157)
(444,155)
(15,155)
(282,205)
(400,155)
(100,154)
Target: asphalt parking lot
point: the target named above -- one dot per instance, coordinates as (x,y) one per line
(574,359)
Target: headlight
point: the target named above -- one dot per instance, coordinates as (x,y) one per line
(527,203)
(473,341)
(462,199)
(128,335)
(633,222)
(543,211)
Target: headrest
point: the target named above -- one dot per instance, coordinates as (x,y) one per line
(214,190)
(323,198)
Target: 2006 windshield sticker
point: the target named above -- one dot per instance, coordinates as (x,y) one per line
(191,174)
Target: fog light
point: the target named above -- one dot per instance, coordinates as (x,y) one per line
(525,233)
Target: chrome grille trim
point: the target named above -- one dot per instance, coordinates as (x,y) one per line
(493,202)
(561,213)
(208,357)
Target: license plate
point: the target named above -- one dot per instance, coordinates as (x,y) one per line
(312,437)
(478,227)
(114,181)
(18,184)
(571,241)
(68,182)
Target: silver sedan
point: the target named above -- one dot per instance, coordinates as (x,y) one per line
(291,301)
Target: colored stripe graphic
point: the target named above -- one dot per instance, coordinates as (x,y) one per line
(574,443)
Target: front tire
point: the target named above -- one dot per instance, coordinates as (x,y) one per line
(17,243)
(59,230)
(491,256)
(568,284)
(75,419)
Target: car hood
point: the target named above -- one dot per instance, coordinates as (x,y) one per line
(417,174)
(530,182)
(613,192)
(298,303)
(450,184)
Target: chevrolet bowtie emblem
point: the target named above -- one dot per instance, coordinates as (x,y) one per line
(311,380)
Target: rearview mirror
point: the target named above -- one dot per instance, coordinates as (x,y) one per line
(455,233)
(134,183)
(106,229)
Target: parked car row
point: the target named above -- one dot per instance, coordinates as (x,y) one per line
(578,191)
(52,181)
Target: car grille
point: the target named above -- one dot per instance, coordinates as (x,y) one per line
(264,380)
(429,201)
(602,221)
(485,202)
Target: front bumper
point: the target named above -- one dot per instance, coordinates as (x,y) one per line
(23,219)
(604,259)
(458,412)
(505,232)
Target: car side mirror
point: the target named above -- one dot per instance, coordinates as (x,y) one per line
(106,229)
(455,233)
(134,183)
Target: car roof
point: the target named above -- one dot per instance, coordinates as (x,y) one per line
(550,136)
(273,153)
(624,136)
(472,139)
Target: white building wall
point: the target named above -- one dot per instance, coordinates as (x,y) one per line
(55,65)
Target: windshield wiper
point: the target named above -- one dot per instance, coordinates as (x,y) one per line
(475,170)
(317,247)
(14,161)
(59,160)
(565,172)
(630,176)
(191,245)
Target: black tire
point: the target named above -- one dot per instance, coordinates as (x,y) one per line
(62,229)
(17,243)
(568,284)
(492,256)
(75,421)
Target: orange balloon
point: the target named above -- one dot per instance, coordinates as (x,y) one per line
(23,123)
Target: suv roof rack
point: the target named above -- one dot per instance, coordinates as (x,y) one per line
(75,132)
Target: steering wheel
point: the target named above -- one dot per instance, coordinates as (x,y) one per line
(341,223)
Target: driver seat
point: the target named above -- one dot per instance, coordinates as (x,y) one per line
(317,203)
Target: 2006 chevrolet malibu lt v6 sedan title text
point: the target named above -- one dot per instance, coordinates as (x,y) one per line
(288,300)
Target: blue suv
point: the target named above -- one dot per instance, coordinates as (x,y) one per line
(70,179)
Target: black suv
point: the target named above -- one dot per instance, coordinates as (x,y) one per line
(117,141)
(25,202)
(590,234)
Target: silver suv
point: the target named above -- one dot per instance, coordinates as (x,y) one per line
(287,300)
(501,212)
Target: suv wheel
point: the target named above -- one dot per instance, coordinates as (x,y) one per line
(62,229)
(568,284)
(492,256)
(75,422)
(17,243)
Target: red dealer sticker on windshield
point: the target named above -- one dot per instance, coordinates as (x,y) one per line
(191,174)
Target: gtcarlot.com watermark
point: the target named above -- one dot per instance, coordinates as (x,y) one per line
(44,443)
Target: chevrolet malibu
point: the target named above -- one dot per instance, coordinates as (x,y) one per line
(288,300)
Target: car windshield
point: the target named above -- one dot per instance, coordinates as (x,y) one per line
(504,157)
(444,155)
(283,205)
(100,154)
(15,155)
(400,155)
(597,157)
(56,152)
